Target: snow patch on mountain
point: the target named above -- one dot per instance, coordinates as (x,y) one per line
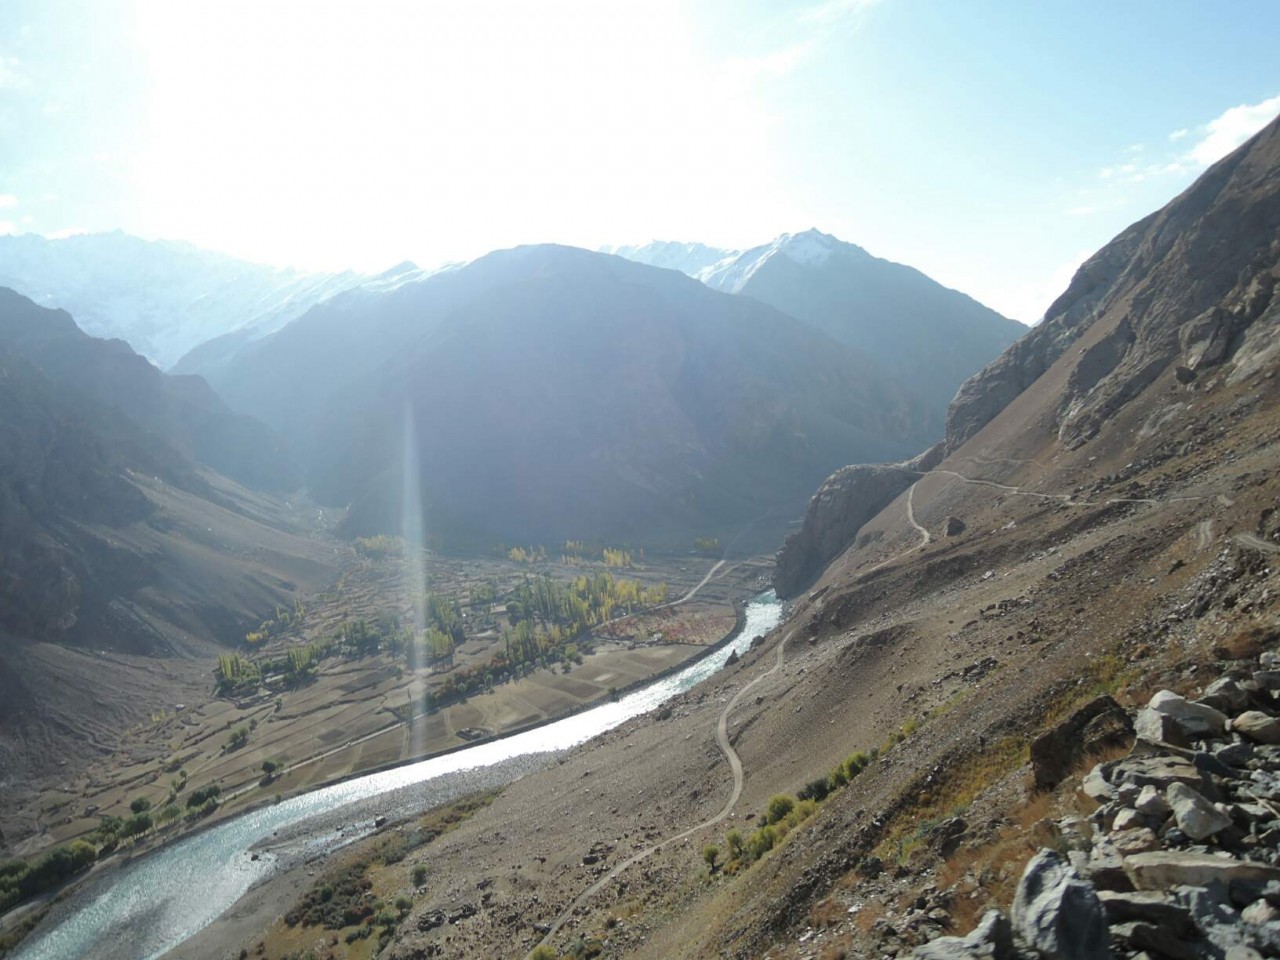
(688,258)
(811,248)
(164,298)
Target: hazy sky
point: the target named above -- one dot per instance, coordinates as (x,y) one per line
(991,144)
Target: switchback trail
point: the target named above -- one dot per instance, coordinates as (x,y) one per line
(722,724)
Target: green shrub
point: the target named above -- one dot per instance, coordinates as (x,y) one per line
(815,790)
(779,806)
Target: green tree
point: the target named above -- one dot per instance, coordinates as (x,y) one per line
(136,825)
(711,855)
(734,842)
(140,805)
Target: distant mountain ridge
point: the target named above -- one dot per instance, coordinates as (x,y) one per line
(166,298)
(923,334)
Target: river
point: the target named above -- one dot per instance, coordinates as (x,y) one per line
(149,906)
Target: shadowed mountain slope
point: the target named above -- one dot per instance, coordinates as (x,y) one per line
(117,544)
(555,393)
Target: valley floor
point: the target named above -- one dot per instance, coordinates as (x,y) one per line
(345,721)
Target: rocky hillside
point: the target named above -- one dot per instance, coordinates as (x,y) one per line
(1116,507)
(547,393)
(1189,287)
(1178,293)
(846,500)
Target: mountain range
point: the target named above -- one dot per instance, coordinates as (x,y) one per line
(165,298)
(559,393)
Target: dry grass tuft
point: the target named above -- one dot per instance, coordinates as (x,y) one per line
(866,918)
(828,913)
(966,780)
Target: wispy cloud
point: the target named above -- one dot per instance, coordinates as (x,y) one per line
(1231,128)
(8,200)
(1212,141)
(7,227)
(834,11)
(12,76)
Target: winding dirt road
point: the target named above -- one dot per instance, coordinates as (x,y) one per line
(735,764)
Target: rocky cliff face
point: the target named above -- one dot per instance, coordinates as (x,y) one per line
(846,500)
(1190,286)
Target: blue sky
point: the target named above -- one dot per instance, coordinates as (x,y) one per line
(991,144)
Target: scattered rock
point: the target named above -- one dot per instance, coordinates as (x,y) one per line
(1156,727)
(1196,816)
(1126,820)
(1260,912)
(1151,803)
(992,938)
(1226,695)
(1196,720)
(1147,907)
(1150,936)
(1135,840)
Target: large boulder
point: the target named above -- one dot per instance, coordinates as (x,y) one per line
(1257,726)
(1058,913)
(1164,869)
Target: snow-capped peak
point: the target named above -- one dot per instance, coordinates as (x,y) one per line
(811,248)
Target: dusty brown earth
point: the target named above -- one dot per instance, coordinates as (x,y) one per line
(1098,570)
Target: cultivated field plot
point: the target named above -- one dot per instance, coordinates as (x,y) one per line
(288,726)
